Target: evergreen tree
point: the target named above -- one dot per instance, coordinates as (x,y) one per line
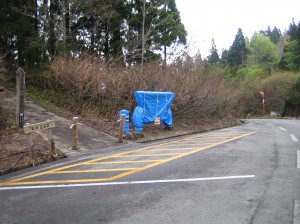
(162,27)
(34,31)
(292,50)
(213,58)
(17,27)
(238,52)
(274,35)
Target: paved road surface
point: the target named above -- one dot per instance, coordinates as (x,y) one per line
(245,174)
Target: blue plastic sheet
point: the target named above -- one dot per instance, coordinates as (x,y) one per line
(151,105)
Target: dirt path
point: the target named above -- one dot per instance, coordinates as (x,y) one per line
(89,138)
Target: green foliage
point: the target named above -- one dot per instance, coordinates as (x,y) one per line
(35,32)
(282,91)
(292,100)
(250,72)
(292,55)
(277,89)
(292,50)
(17,27)
(262,52)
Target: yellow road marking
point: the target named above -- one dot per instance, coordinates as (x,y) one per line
(63,168)
(18,181)
(57,181)
(124,162)
(176,157)
(145,155)
(191,144)
(171,149)
(96,170)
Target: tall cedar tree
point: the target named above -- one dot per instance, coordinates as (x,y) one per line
(238,52)
(17,22)
(292,50)
(107,28)
(274,35)
(213,58)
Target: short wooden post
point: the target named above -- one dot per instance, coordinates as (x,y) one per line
(20,91)
(30,145)
(121,130)
(51,141)
(1,93)
(75,133)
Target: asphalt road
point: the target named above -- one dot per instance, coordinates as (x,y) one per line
(245,174)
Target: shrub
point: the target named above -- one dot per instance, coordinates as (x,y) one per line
(88,82)
(279,89)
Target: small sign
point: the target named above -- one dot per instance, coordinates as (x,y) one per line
(38,127)
(157,120)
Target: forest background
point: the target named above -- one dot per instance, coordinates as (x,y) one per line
(89,56)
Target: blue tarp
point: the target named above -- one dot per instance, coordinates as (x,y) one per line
(151,105)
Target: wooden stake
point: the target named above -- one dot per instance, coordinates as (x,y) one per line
(52,146)
(30,146)
(51,141)
(121,130)
(75,133)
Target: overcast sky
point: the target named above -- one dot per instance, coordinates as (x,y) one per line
(220,19)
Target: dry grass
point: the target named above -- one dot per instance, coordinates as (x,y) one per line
(87,82)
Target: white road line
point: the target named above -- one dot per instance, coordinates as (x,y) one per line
(296,212)
(294,138)
(126,183)
(283,129)
(298,159)
(270,124)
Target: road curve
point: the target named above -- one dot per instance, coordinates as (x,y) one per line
(245,174)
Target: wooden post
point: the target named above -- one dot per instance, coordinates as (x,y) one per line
(264,107)
(52,146)
(1,93)
(51,141)
(30,146)
(121,130)
(20,104)
(75,133)
(30,128)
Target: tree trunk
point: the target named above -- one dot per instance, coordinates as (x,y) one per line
(36,21)
(106,44)
(20,47)
(143,34)
(67,18)
(52,38)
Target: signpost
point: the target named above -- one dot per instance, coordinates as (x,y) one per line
(262,93)
(30,128)
(20,104)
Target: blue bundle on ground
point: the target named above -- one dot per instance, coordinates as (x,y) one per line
(151,105)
